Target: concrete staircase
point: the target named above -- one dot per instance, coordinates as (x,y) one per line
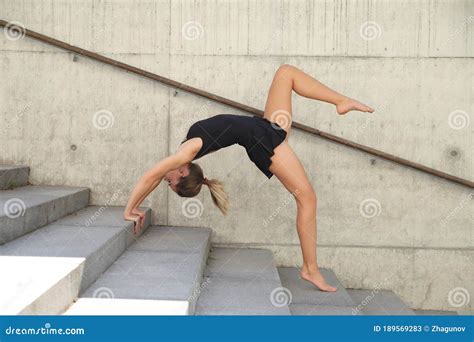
(162,271)
(49,267)
(53,245)
(58,255)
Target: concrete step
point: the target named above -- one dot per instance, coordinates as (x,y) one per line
(379,302)
(309,300)
(241,281)
(95,236)
(13,176)
(27,208)
(166,263)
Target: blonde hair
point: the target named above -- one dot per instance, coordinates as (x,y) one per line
(191,185)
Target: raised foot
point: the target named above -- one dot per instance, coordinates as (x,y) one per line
(349,104)
(317,279)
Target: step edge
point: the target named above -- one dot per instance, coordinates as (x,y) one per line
(26,230)
(198,282)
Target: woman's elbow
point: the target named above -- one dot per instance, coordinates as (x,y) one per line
(149,177)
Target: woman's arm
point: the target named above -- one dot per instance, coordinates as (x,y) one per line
(152,177)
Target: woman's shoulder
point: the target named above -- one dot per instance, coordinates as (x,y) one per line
(192,144)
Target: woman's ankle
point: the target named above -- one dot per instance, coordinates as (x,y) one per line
(310,268)
(341,99)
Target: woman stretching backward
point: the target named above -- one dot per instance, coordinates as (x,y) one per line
(266,143)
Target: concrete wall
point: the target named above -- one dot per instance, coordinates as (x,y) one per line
(411,60)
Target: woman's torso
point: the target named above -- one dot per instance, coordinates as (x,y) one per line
(220,131)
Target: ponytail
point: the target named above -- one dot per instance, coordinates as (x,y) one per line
(218,194)
(191,185)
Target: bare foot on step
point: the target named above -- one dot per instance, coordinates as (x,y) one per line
(317,279)
(349,104)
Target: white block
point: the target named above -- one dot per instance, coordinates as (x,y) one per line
(121,307)
(37,285)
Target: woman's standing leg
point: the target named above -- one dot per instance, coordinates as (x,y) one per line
(290,172)
(287,167)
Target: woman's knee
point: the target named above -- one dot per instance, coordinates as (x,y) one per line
(306,197)
(285,70)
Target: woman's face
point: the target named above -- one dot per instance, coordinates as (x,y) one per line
(174,176)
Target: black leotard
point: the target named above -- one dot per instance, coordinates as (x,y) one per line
(257,135)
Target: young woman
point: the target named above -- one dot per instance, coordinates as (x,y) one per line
(266,142)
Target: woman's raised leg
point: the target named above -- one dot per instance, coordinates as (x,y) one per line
(288,78)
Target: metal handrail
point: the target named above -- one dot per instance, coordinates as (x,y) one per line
(234,104)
